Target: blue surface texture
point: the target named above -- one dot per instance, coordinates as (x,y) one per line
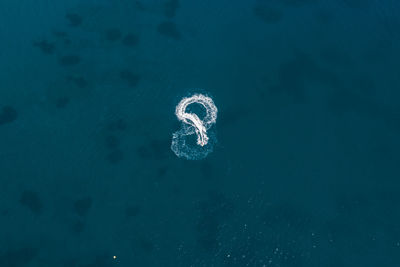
(306,168)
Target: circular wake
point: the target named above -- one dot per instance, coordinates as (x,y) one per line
(194,141)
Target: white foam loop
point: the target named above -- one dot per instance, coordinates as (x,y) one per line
(182,145)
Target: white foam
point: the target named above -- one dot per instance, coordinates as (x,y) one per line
(192,124)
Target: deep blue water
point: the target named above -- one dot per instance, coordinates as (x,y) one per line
(306,169)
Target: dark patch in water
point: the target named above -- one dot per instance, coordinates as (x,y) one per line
(5,212)
(113,34)
(62,102)
(170,8)
(69,60)
(324,16)
(295,74)
(365,85)
(117,125)
(60,34)
(169,29)
(18,257)
(104,260)
(298,3)
(355,3)
(115,156)
(156,149)
(132,211)
(139,5)
(146,245)
(345,100)
(130,77)
(233,114)
(32,201)
(335,56)
(83,205)
(8,114)
(79,81)
(112,141)
(162,171)
(268,14)
(45,46)
(78,227)
(130,40)
(74,19)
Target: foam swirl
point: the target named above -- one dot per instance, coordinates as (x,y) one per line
(192,124)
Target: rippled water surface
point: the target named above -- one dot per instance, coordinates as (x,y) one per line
(305,171)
